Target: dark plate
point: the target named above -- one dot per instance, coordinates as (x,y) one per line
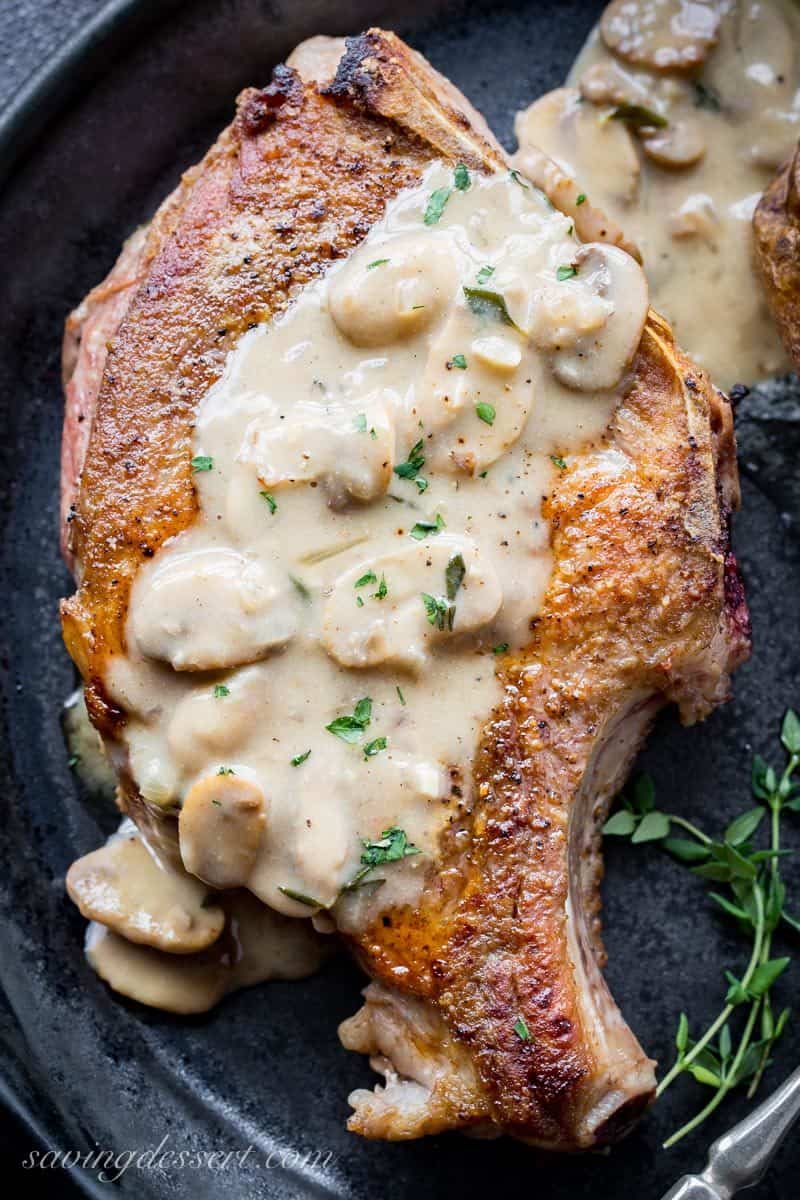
(148,91)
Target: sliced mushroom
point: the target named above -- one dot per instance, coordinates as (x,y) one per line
(125,887)
(595,354)
(258,944)
(210,609)
(193,984)
(663,35)
(220,828)
(435,589)
(598,152)
(696,217)
(350,449)
(210,725)
(393,289)
(269,945)
(606,83)
(680,144)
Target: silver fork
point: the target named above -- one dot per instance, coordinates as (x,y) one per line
(739,1159)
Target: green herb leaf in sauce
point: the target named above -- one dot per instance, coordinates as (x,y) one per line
(515,175)
(424,529)
(558,461)
(454,575)
(581,198)
(360,423)
(461,177)
(566,272)
(436,205)
(438,611)
(202,462)
(521,1030)
(486,412)
(638,115)
(369,577)
(299,759)
(382,591)
(375,746)
(220,691)
(400,696)
(226,771)
(301,588)
(351,728)
(301,898)
(413,464)
(484,274)
(422,484)
(270,500)
(379,262)
(391,846)
(485,303)
(458,360)
(706,97)
(500,648)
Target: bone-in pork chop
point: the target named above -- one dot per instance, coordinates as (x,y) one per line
(401,517)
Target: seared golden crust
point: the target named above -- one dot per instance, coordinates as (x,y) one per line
(293,185)
(777,228)
(635,603)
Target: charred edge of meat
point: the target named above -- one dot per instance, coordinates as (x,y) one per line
(258,109)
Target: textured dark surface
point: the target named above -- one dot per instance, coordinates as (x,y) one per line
(266,1070)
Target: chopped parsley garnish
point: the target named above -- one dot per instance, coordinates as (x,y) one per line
(486,412)
(271,501)
(515,175)
(301,587)
(391,846)
(74,759)
(379,262)
(637,114)
(458,360)
(500,648)
(361,423)
(485,303)
(566,272)
(438,611)
(424,529)
(422,484)
(454,575)
(375,746)
(370,577)
(360,601)
(382,591)
(202,462)
(400,695)
(581,199)
(521,1030)
(461,177)
(301,898)
(351,728)
(226,771)
(558,461)
(706,97)
(411,468)
(300,758)
(220,690)
(436,205)
(484,274)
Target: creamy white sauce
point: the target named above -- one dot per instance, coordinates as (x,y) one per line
(726,78)
(301,588)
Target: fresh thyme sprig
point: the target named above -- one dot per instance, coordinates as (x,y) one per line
(756,901)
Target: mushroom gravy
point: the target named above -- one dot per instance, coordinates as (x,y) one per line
(309,665)
(674,119)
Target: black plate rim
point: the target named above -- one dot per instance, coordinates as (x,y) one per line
(76,62)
